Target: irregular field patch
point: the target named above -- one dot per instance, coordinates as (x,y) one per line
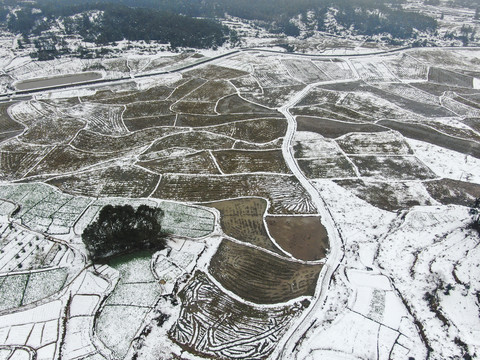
(428,134)
(240,161)
(255,131)
(127,181)
(374,143)
(97,143)
(334,129)
(242,219)
(197,163)
(260,277)
(141,123)
(302,236)
(448,191)
(234,104)
(285,193)
(197,140)
(392,167)
(244,329)
(327,167)
(389,196)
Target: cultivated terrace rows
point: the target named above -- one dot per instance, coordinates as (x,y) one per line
(292,186)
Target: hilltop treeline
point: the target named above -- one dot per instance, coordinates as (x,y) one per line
(365,17)
(104,22)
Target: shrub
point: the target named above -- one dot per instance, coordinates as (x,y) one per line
(121,229)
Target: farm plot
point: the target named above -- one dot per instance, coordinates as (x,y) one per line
(319,96)
(244,331)
(272,145)
(196,163)
(18,158)
(285,193)
(273,74)
(373,70)
(259,277)
(20,290)
(234,104)
(194,107)
(450,78)
(196,140)
(44,208)
(374,143)
(215,72)
(23,250)
(103,119)
(244,161)
(305,71)
(125,181)
(142,123)
(440,89)
(371,105)
(405,67)
(196,121)
(63,159)
(392,168)
(448,191)
(35,329)
(143,109)
(389,196)
(302,236)
(125,309)
(432,136)
(7,124)
(96,143)
(320,158)
(186,88)
(454,127)
(335,69)
(333,112)
(258,131)
(459,108)
(410,92)
(211,91)
(247,84)
(155,93)
(414,106)
(242,219)
(274,97)
(179,219)
(327,167)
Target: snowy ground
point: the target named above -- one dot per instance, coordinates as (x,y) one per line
(340,138)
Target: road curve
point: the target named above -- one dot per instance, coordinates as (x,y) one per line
(287,344)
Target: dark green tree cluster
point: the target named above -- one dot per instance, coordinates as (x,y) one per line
(122,229)
(118,22)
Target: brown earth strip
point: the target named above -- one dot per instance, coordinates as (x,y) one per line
(333,129)
(302,236)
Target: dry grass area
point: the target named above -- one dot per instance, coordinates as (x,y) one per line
(302,236)
(234,104)
(389,196)
(96,143)
(198,140)
(448,191)
(255,131)
(392,167)
(141,123)
(197,163)
(242,219)
(215,72)
(115,181)
(332,128)
(285,193)
(17,158)
(142,109)
(259,277)
(243,161)
(327,167)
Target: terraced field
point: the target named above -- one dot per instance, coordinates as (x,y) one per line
(270,168)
